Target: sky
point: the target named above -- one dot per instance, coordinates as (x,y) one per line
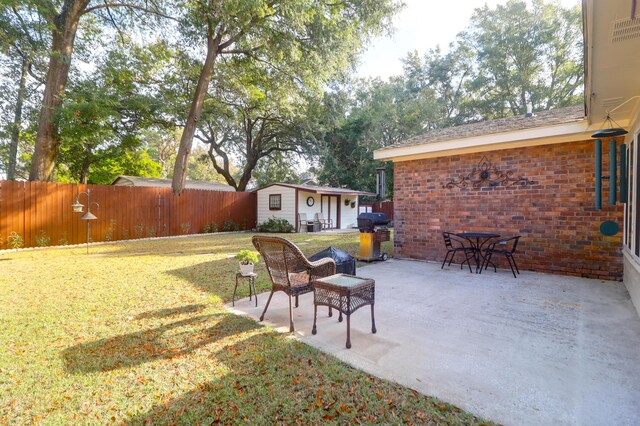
(422,25)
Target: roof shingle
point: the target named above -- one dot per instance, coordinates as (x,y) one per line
(501,125)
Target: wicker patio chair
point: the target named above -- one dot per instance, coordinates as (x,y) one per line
(510,245)
(326,223)
(290,271)
(455,245)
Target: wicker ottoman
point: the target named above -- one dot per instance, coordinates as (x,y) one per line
(346,293)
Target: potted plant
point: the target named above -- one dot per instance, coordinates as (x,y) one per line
(247,259)
(353,204)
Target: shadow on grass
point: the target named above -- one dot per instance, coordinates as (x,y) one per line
(162,313)
(218,277)
(168,341)
(277,380)
(260,388)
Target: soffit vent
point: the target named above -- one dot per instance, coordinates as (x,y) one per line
(625,29)
(610,103)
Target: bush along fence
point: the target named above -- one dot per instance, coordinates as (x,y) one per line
(36,214)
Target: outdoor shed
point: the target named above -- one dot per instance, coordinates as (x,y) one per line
(287,201)
(166,183)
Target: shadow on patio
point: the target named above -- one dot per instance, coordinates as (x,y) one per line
(539,349)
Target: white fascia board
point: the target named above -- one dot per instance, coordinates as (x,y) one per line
(537,136)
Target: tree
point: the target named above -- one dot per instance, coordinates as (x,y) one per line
(507,57)
(102,120)
(252,116)
(359,119)
(22,42)
(303,39)
(63,18)
(525,55)
(278,167)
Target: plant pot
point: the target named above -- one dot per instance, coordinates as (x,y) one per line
(353,204)
(246,270)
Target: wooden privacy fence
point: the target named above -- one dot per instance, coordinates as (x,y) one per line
(385,207)
(41,212)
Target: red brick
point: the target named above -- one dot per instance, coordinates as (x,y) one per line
(555,216)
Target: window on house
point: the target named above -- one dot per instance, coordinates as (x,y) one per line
(275,201)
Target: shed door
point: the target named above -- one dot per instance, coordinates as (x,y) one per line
(330,208)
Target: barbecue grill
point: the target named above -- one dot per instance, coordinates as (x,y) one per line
(373,231)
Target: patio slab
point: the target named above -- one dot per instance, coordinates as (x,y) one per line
(540,349)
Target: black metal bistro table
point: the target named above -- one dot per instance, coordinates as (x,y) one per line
(481,238)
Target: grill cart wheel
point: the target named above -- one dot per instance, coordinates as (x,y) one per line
(384,256)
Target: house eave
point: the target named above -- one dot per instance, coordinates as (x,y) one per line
(317,190)
(579,130)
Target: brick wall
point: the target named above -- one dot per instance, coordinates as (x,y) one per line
(555,216)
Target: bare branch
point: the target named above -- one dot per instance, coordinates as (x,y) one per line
(129,5)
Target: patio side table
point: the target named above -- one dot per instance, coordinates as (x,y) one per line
(252,286)
(346,293)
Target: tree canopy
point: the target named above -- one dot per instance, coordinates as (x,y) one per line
(93,89)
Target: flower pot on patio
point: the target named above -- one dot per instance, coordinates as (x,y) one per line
(246,260)
(246,269)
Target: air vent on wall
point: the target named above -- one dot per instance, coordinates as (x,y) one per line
(610,103)
(625,29)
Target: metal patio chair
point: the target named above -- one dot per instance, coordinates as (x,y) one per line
(290,271)
(302,222)
(455,245)
(326,223)
(509,249)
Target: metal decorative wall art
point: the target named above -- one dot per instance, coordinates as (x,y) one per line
(487,174)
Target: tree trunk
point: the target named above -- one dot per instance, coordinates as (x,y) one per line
(86,163)
(47,139)
(182,158)
(17,122)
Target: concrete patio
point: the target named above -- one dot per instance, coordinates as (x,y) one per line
(540,349)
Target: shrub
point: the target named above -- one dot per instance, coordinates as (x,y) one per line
(276,225)
(15,240)
(185,227)
(108,234)
(228,225)
(42,239)
(138,230)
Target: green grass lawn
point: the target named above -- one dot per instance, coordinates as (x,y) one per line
(136,333)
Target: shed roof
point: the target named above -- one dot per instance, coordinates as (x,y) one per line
(166,183)
(320,189)
(500,125)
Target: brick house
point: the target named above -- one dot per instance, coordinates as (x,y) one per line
(535,176)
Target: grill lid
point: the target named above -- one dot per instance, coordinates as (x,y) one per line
(367,222)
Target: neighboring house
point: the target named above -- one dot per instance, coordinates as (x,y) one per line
(166,183)
(535,176)
(287,201)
